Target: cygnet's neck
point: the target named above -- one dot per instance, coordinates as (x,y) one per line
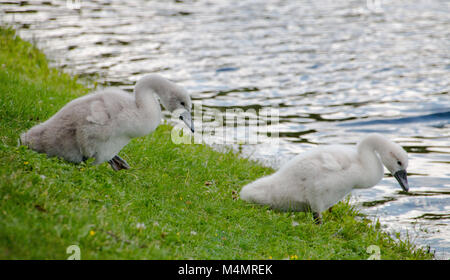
(145,94)
(372,166)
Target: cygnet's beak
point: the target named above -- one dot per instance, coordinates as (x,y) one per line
(402,179)
(186,117)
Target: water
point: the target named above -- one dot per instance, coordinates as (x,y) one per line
(336,70)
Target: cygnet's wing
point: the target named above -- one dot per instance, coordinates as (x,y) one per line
(98,114)
(314,164)
(96,128)
(334,161)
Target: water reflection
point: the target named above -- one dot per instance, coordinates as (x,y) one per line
(336,70)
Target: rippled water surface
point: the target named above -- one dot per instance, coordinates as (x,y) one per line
(336,70)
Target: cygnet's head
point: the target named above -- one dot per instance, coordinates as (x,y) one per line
(395,158)
(173,97)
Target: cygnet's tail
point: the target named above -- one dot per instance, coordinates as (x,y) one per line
(256,192)
(22,139)
(31,138)
(19,141)
(245,193)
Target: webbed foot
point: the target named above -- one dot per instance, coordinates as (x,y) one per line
(317,218)
(117,163)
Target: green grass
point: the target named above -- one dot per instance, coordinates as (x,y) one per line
(184,195)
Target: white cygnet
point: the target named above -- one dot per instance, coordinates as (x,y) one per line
(317,179)
(100,124)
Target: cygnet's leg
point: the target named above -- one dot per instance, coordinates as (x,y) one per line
(317,218)
(117,163)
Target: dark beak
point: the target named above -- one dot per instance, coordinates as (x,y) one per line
(186,117)
(402,179)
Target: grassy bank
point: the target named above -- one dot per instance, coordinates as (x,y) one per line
(177,201)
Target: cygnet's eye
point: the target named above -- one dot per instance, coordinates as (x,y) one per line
(399,163)
(183,104)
